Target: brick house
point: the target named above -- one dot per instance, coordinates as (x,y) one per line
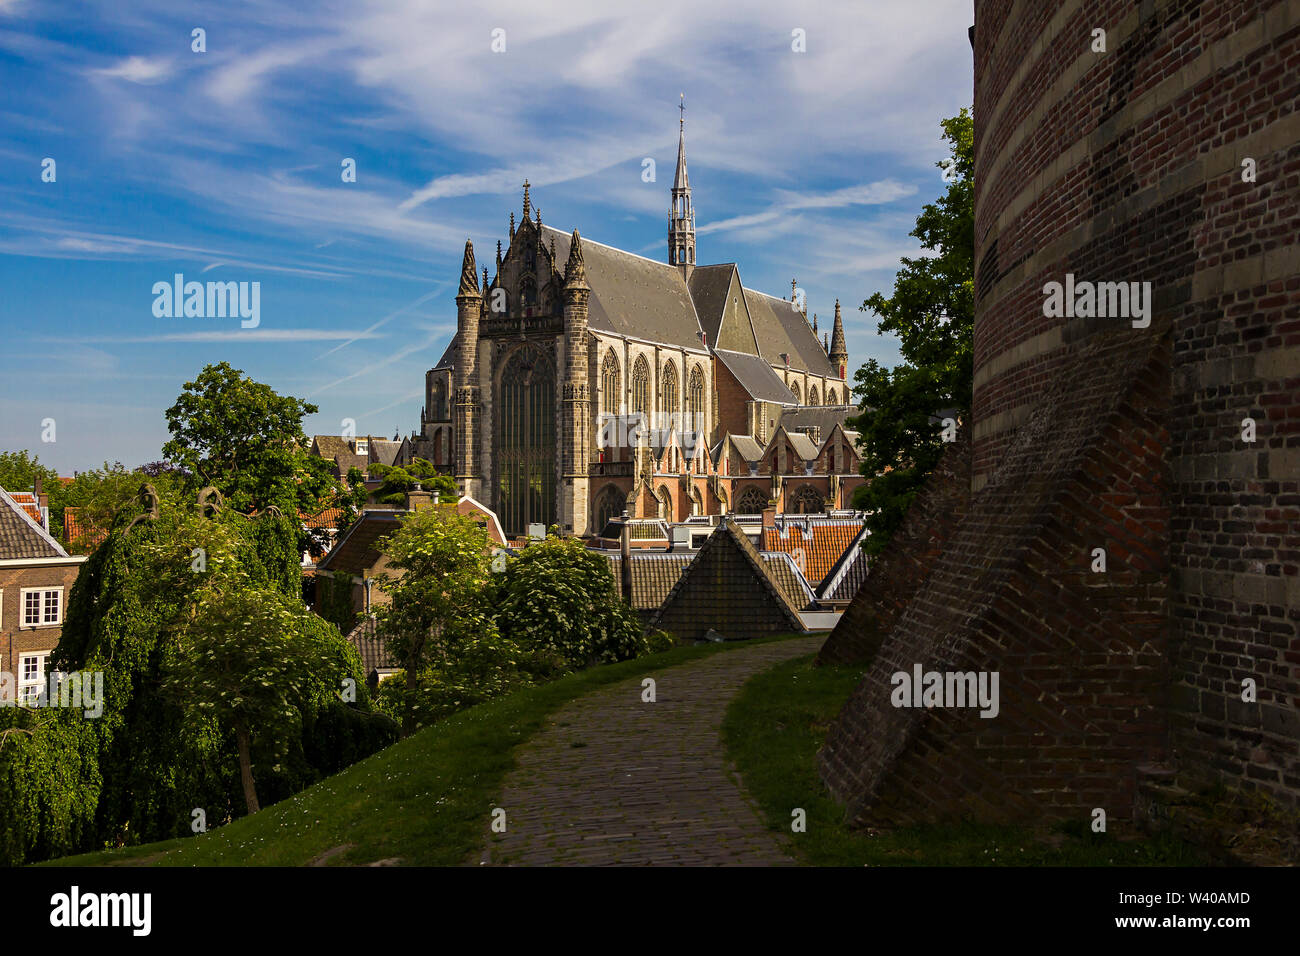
(36,577)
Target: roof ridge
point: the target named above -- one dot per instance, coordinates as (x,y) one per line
(45,535)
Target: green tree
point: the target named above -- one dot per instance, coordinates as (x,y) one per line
(397,481)
(436,586)
(560,596)
(251,658)
(20,469)
(242,437)
(932,313)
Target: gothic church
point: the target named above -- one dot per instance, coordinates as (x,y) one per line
(584,381)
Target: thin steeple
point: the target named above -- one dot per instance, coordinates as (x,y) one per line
(839,351)
(681,223)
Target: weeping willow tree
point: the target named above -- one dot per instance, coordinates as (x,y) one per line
(142,612)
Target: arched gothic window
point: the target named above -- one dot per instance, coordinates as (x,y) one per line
(525,440)
(807,501)
(695,401)
(609,384)
(668,394)
(812,395)
(665,503)
(798,398)
(528,288)
(610,505)
(831,397)
(751,502)
(641,386)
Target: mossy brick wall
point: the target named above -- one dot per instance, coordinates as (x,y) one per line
(1124,165)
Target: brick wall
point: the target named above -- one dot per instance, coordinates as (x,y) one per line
(15,639)
(905,564)
(1121,166)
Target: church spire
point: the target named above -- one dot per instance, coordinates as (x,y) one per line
(681,224)
(575,271)
(839,353)
(525,200)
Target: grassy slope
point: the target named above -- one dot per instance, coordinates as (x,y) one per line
(778,721)
(424,801)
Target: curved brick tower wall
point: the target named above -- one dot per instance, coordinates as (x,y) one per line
(1115,166)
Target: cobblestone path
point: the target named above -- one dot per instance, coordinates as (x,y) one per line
(613,780)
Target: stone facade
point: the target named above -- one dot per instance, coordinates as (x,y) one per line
(584,381)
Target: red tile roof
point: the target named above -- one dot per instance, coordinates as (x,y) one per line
(814,545)
(27,501)
(80,532)
(325,518)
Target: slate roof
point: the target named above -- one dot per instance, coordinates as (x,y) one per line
(633,296)
(803,446)
(818,543)
(359,547)
(654,575)
(384,451)
(782,328)
(728,587)
(755,376)
(21,536)
(374,652)
(822,417)
(709,286)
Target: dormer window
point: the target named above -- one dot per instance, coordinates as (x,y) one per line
(363,446)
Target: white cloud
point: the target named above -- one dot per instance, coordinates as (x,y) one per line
(139,69)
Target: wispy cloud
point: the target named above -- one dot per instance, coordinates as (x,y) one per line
(138,69)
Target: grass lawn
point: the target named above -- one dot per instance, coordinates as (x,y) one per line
(424,801)
(773,730)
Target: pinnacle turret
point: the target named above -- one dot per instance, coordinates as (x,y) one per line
(468,274)
(839,351)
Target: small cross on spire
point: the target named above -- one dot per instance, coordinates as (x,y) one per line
(682,108)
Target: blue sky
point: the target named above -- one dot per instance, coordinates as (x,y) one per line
(225,165)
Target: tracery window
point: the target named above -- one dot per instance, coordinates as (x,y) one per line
(695,401)
(641,385)
(665,503)
(807,501)
(525,440)
(609,383)
(668,394)
(812,395)
(831,397)
(751,502)
(794,387)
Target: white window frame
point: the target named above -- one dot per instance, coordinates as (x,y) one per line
(24,685)
(42,608)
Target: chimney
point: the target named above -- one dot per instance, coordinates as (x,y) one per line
(769,516)
(625,550)
(42,502)
(418,498)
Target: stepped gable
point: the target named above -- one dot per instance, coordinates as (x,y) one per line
(1081,656)
(898,572)
(728,588)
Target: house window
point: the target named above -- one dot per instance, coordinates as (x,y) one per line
(31,677)
(363,446)
(42,607)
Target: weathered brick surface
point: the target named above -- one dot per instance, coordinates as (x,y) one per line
(899,571)
(615,780)
(1080,655)
(1117,166)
